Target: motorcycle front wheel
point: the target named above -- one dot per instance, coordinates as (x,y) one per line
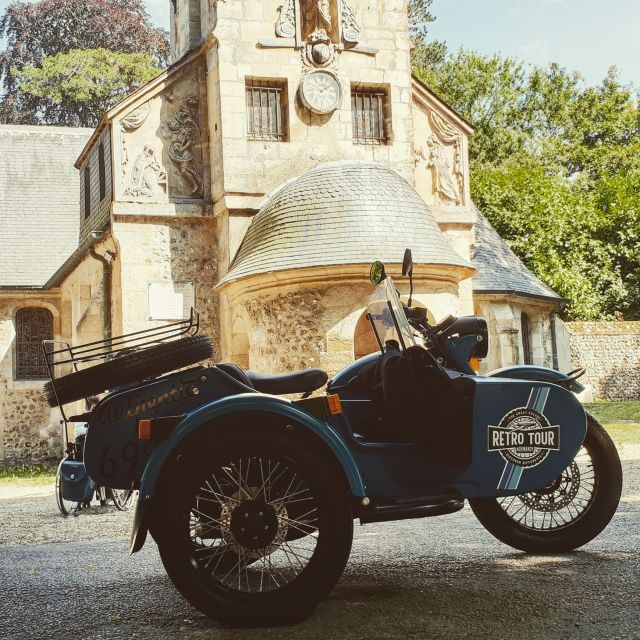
(567,513)
(257,530)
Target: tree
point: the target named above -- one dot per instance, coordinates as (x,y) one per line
(555,168)
(35,31)
(556,228)
(79,86)
(425,52)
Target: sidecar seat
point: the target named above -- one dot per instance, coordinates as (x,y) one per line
(304,381)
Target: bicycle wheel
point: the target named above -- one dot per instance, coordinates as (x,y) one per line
(67,507)
(122,498)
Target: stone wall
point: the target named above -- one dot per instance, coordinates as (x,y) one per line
(504,318)
(250,49)
(29,430)
(174,251)
(296,326)
(610,352)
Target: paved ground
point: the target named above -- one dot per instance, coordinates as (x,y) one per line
(441,578)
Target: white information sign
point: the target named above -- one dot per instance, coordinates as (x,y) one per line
(170,300)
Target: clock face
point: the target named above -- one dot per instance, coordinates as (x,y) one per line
(320,92)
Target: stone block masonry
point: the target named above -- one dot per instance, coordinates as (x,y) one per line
(610,351)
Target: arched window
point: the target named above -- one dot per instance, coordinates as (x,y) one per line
(525,327)
(33,325)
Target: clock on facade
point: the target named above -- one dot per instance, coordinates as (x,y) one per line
(320,92)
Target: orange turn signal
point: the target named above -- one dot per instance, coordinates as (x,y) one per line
(333,402)
(474,363)
(144,429)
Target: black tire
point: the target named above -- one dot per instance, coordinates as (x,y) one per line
(585,515)
(131,367)
(66,507)
(268,591)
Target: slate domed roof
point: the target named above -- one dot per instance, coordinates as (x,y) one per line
(499,270)
(342,213)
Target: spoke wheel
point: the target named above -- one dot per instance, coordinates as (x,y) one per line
(122,498)
(260,533)
(66,507)
(567,513)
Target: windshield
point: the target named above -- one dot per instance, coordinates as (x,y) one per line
(384,306)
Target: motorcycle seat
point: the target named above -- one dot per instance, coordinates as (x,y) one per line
(304,381)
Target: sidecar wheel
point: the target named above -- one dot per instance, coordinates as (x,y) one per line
(571,511)
(257,530)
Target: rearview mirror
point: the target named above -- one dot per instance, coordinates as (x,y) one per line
(377,273)
(407,263)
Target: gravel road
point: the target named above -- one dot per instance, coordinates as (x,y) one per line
(439,578)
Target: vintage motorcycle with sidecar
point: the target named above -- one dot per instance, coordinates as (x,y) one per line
(251,497)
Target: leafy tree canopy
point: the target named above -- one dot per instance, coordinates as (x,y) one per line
(555,167)
(37,30)
(79,86)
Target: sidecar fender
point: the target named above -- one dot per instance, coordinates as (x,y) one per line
(540,374)
(206,417)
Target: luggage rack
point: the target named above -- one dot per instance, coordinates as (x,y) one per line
(58,353)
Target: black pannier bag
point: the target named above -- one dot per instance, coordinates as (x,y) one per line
(420,402)
(77,486)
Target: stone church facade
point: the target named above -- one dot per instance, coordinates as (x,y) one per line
(287,147)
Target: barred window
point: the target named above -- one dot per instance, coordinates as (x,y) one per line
(33,325)
(525,325)
(370,115)
(266,109)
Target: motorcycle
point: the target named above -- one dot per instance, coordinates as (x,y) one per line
(251,497)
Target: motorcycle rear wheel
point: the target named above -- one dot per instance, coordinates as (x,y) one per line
(568,513)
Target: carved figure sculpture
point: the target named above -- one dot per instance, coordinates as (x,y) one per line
(129,123)
(444,182)
(316,20)
(182,132)
(148,177)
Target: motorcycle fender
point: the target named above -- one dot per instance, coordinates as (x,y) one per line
(542,374)
(205,417)
(526,432)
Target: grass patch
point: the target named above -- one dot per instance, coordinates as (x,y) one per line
(28,475)
(620,419)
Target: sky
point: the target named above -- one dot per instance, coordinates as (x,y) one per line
(586,35)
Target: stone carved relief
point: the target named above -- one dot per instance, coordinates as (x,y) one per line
(148,177)
(129,123)
(286,24)
(448,174)
(182,132)
(350,27)
(317,24)
(324,25)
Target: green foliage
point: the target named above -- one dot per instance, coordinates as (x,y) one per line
(34,31)
(41,472)
(426,52)
(556,169)
(620,419)
(81,85)
(552,224)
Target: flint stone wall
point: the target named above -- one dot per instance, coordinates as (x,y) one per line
(610,351)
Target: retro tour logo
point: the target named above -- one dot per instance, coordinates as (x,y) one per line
(524,437)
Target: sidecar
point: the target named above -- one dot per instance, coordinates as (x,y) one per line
(251,496)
